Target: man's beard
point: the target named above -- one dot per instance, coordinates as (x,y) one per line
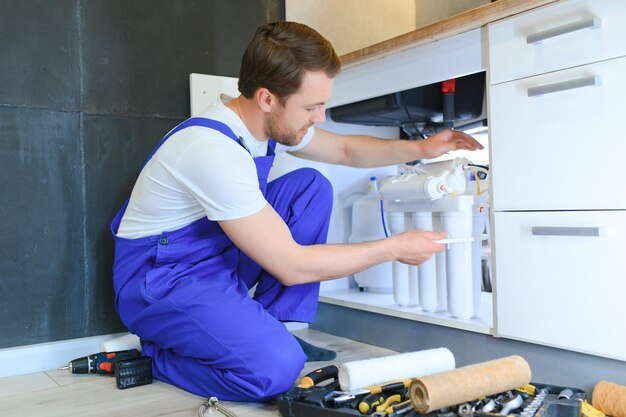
(277,131)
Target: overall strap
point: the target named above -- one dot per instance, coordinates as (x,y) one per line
(271,147)
(196,121)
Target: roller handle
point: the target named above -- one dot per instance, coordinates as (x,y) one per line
(319,375)
(392,386)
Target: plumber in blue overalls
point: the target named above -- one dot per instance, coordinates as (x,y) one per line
(203,226)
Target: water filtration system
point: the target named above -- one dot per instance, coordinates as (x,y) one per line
(445,196)
(368,225)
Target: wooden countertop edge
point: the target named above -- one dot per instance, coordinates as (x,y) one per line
(451,26)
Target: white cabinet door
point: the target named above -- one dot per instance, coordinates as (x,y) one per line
(566,34)
(561,279)
(557,140)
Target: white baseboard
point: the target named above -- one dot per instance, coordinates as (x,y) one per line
(293,325)
(46,356)
(41,357)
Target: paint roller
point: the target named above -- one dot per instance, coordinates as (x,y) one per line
(369,372)
(433,392)
(610,398)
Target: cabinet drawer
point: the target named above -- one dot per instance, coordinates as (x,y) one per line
(560,284)
(557,141)
(563,35)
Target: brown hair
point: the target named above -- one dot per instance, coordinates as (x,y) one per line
(278,56)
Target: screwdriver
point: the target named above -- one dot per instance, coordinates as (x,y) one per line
(99,363)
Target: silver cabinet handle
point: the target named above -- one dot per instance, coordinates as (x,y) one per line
(563,86)
(590,23)
(568,231)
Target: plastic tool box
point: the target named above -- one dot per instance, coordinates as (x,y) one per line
(318,401)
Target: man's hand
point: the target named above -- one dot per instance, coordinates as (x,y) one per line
(446,141)
(417,246)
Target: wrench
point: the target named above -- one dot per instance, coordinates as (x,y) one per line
(213,402)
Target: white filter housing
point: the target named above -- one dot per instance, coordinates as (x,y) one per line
(427,182)
(440,196)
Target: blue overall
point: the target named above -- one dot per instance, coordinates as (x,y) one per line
(185,293)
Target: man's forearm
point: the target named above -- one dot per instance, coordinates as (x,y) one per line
(265,238)
(367,151)
(329,261)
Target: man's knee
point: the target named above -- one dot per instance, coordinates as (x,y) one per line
(281,365)
(317,182)
(317,192)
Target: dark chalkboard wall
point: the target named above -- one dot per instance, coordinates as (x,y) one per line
(87,87)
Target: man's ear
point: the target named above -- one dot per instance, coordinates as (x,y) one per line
(265,99)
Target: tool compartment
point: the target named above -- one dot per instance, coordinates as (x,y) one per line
(555,401)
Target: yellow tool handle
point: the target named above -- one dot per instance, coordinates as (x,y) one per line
(390,386)
(399,406)
(318,375)
(528,389)
(390,400)
(587,410)
(368,403)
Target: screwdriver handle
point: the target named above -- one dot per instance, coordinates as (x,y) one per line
(319,375)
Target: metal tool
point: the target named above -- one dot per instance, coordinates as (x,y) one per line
(213,402)
(489,406)
(565,394)
(465,410)
(342,396)
(511,404)
(399,408)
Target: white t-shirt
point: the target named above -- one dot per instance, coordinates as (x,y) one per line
(199,172)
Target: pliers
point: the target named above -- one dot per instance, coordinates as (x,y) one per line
(393,408)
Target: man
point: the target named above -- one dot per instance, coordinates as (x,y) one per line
(203,226)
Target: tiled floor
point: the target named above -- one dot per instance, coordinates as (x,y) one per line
(60,394)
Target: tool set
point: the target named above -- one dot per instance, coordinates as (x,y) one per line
(321,397)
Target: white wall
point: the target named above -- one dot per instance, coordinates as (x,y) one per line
(431,11)
(355,24)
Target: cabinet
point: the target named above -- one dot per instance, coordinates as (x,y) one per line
(557,149)
(557,143)
(561,279)
(567,34)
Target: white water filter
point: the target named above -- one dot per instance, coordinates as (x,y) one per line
(440,262)
(402,288)
(459,225)
(367,225)
(413,286)
(427,271)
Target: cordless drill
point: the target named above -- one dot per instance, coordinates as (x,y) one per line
(99,363)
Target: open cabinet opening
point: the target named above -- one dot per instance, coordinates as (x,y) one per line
(454,287)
